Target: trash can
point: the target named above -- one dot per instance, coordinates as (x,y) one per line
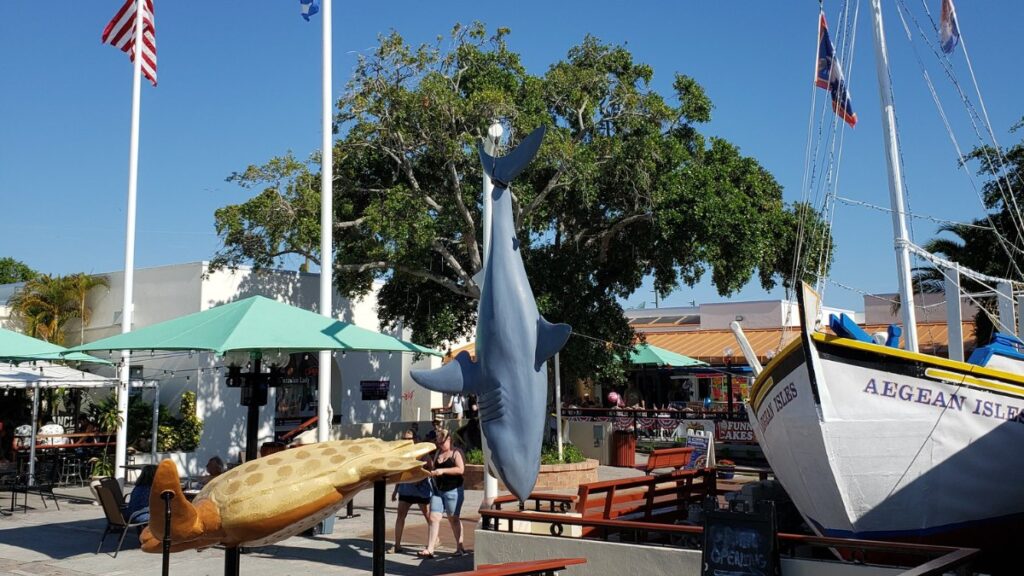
(623,449)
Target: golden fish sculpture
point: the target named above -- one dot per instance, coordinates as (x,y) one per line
(278,496)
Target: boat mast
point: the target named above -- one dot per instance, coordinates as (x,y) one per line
(892,157)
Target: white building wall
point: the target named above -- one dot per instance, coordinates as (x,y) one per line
(878,308)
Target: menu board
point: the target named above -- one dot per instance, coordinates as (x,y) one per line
(703,444)
(740,544)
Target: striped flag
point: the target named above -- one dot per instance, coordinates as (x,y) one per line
(120,33)
(949,31)
(830,76)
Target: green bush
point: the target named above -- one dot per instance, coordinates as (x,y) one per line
(475,456)
(549,455)
(183,433)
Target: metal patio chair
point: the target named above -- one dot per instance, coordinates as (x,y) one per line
(112,501)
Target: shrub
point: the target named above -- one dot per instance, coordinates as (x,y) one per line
(182,433)
(549,455)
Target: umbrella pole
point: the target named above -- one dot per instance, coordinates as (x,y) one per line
(32,441)
(156,420)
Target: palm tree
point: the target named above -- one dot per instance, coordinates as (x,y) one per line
(46,303)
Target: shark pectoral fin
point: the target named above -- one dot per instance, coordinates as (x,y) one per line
(455,377)
(550,339)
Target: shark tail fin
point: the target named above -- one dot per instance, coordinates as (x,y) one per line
(503,170)
(550,339)
(456,377)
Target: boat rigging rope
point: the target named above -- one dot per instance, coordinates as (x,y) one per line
(1014,214)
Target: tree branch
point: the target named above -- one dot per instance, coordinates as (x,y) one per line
(419,273)
(470,233)
(605,237)
(338,226)
(450,259)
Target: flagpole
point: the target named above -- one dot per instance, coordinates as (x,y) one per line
(120,452)
(323,426)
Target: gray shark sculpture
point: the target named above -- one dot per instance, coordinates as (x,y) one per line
(513,342)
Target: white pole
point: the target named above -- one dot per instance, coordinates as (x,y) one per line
(1007,320)
(558,405)
(32,441)
(892,156)
(156,420)
(954,323)
(491,147)
(120,452)
(326,364)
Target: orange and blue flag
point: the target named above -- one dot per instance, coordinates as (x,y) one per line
(949,31)
(830,76)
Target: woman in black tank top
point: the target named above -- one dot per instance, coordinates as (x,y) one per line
(446,469)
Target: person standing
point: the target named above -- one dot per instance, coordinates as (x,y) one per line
(408,495)
(446,470)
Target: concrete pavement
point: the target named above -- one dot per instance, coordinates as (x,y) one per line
(48,542)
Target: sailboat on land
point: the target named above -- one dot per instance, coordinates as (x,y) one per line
(876,442)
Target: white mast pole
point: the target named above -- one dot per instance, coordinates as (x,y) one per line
(326,364)
(892,156)
(491,147)
(127,305)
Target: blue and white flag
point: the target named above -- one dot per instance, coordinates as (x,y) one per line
(309,8)
(949,32)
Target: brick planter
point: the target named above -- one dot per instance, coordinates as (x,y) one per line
(551,477)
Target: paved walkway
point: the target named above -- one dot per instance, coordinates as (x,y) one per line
(45,541)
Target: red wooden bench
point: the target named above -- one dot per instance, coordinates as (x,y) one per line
(674,458)
(536,567)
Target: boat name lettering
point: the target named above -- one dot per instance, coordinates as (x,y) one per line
(928,396)
(776,404)
(916,394)
(998,411)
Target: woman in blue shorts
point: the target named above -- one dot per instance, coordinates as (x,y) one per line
(446,469)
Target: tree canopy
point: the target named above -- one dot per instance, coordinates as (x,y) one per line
(12,271)
(625,186)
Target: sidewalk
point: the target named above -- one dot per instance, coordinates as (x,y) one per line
(48,542)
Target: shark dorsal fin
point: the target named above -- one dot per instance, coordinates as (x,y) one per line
(550,339)
(456,377)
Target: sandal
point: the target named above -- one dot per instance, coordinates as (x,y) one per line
(462,552)
(425,555)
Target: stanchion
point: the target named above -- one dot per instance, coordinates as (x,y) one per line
(231,557)
(379,489)
(167,496)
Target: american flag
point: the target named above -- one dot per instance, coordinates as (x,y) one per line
(120,33)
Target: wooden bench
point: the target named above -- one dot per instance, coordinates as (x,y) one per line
(536,567)
(665,495)
(674,458)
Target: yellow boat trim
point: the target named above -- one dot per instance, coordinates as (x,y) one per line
(764,381)
(959,378)
(972,369)
(962,371)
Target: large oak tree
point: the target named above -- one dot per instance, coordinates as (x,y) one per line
(625,186)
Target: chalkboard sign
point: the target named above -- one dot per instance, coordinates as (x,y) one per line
(740,544)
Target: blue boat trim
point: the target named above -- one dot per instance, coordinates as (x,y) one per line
(910,534)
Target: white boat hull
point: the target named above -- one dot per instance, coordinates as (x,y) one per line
(877,443)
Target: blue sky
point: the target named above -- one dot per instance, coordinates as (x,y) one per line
(239,83)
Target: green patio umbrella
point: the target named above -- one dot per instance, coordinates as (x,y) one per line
(16,348)
(256,323)
(648,354)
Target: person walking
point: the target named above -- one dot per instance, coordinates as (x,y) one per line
(408,495)
(446,470)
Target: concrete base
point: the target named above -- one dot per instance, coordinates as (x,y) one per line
(610,558)
(551,477)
